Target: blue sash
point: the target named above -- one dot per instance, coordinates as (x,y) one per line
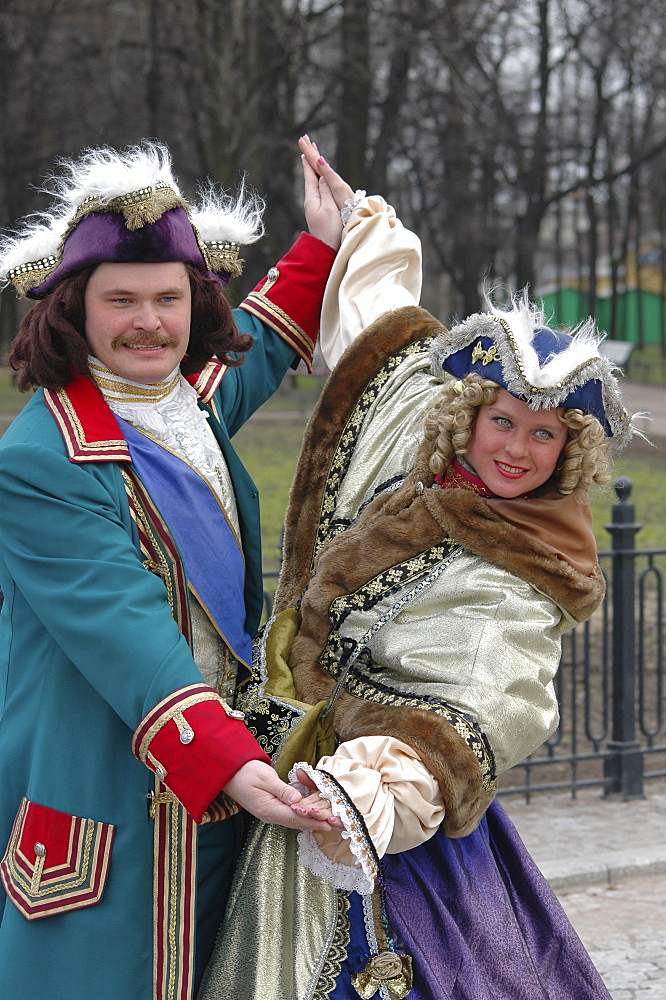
(213,560)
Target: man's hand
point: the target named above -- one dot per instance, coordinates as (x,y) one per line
(257,788)
(325,194)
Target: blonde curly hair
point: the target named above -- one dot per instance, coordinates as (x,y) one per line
(450,421)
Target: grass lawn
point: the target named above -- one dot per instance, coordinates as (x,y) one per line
(269,449)
(648,364)
(646,467)
(11,401)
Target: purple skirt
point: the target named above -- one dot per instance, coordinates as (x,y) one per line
(480,922)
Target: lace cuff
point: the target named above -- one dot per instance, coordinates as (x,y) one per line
(360,872)
(350,205)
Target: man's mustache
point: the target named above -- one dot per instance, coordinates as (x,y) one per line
(148,340)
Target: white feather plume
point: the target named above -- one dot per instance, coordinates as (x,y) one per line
(33,242)
(221,216)
(524,318)
(104,174)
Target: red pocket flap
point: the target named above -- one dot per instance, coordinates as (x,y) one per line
(54,861)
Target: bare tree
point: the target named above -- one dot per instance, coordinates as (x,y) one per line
(524,140)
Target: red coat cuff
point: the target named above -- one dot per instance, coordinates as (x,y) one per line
(195,744)
(290,296)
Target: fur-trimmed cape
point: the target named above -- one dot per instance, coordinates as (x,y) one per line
(393,528)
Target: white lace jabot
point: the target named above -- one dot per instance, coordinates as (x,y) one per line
(169,411)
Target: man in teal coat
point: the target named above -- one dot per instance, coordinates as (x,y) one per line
(130,567)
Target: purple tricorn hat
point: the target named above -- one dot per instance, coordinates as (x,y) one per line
(544,367)
(104,237)
(127,208)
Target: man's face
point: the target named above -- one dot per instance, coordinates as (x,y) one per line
(138,318)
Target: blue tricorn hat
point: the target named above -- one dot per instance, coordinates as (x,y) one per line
(547,368)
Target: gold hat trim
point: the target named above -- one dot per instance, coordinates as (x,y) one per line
(138,208)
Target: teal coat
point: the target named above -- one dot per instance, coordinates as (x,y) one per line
(90,650)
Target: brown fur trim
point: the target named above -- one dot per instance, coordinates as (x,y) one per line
(472,522)
(388,335)
(397,526)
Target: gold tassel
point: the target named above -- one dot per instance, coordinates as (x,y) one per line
(388,969)
(40,858)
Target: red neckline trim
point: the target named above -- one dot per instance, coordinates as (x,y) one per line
(457,477)
(89,427)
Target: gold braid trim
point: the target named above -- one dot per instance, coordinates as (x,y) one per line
(337,951)
(221,255)
(27,276)
(138,208)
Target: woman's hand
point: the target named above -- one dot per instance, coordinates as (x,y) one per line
(314,806)
(325,194)
(257,788)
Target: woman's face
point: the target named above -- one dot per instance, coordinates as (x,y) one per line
(512,448)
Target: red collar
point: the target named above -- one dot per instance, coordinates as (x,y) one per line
(457,477)
(90,430)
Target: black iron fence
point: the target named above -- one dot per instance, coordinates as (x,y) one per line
(610,684)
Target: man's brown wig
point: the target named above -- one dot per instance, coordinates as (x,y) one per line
(50,346)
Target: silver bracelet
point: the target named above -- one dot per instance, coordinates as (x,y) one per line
(349,206)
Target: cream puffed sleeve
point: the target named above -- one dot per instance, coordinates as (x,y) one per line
(377,268)
(383,792)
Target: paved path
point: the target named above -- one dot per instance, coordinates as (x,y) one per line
(623,927)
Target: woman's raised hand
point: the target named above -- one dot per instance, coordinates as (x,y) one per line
(325,194)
